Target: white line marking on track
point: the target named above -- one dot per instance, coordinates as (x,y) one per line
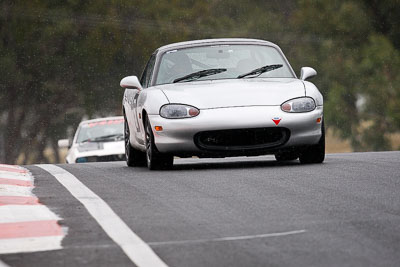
(231,238)
(134,247)
(16,167)
(22,213)
(18,176)
(2,264)
(15,190)
(30,244)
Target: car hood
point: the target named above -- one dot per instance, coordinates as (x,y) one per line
(235,92)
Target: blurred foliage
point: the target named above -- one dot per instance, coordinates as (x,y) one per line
(63,60)
(357,61)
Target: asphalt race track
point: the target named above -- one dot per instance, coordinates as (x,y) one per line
(233,212)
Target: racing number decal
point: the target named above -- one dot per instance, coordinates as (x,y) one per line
(131,98)
(135,100)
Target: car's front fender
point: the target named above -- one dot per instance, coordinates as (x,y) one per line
(312,91)
(151,100)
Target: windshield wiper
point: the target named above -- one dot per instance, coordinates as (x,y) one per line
(198,74)
(102,138)
(261,70)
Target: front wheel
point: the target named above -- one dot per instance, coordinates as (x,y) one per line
(155,159)
(134,157)
(315,153)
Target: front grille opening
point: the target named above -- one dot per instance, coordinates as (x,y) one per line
(242,139)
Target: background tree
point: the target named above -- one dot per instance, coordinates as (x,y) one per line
(357,60)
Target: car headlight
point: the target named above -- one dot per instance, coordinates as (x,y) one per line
(178,111)
(302,104)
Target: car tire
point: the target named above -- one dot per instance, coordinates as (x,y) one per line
(315,153)
(134,157)
(155,159)
(286,156)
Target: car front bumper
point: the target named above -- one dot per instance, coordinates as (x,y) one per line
(177,136)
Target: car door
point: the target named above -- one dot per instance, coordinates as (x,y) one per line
(129,107)
(145,82)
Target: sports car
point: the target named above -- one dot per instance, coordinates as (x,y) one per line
(221,98)
(96,140)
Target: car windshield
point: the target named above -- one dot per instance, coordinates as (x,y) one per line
(107,130)
(236,59)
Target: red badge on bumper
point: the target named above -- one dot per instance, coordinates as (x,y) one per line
(276,120)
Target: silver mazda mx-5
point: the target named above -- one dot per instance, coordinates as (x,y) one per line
(221,98)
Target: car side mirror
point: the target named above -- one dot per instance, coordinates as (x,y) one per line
(64,143)
(131,82)
(307,73)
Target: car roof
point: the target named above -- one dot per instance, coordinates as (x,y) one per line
(213,41)
(102,119)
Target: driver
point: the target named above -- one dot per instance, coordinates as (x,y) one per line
(181,64)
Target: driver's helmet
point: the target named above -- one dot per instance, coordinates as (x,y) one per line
(181,62)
